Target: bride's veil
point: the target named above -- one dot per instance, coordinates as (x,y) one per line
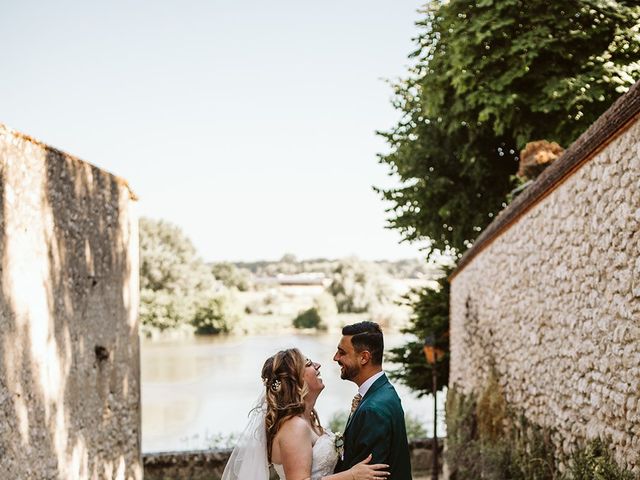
(249,458)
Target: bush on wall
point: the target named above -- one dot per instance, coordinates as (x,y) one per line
(594,462)
(486,439)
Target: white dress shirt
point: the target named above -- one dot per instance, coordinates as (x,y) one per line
(366,385)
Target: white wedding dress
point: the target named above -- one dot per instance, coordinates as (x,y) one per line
(324,458)
(248,460)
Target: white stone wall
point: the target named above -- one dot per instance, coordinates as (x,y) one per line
(553,305)
(69,351)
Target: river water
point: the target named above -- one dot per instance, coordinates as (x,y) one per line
(196,389)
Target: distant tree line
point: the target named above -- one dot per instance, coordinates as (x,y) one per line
(177,288)
(290,265)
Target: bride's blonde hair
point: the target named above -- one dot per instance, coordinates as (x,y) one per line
(285,390)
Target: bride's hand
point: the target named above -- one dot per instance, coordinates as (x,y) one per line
(364,471)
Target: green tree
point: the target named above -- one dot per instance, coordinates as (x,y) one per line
(218,313)
(173,279)
(490,76)
(308,319)
(430,316)
(359,286)
(232,276)
(289,258)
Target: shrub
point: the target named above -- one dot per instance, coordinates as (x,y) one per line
(485,439)
(232,276)
(594,462)
(308,319)
(218,314)
(359,286)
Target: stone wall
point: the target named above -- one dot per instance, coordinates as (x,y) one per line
(209,465)
(69,354)
(549,299)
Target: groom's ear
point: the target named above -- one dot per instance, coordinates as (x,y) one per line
(365,357)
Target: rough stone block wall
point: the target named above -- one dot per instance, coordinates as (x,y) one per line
(69,351)
(552,306)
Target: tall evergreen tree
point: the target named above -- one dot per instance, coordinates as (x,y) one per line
(430,317)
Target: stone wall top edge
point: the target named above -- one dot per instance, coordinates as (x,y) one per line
(5,130)
(624,112)
(156,457)
(182,453)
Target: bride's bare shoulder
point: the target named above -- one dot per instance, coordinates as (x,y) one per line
(293,438)
(295,428)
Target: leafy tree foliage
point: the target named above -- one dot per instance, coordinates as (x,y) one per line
(326,306)
(217,314)
(359,286)
(172,276)
(232,276)
(430,316)
(490,76)
(595,462)
(176,287)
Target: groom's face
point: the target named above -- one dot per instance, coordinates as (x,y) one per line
(347,358)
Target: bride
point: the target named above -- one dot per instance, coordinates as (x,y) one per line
(284,429)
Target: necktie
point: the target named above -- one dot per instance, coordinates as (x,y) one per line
(355,402)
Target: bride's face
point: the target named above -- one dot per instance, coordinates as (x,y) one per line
(312,376)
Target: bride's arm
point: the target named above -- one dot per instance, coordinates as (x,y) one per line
(361,471)
(295,444)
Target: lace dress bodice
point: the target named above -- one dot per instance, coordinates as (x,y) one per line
(324,458)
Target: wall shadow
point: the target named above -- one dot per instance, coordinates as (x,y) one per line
(69,370)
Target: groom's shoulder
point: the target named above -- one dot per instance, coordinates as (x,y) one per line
(387,387)
(384,395)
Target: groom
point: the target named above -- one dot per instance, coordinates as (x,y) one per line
(376,423)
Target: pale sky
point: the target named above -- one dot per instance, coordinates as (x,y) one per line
(250,124)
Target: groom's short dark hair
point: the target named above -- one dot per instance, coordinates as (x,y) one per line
(366,336)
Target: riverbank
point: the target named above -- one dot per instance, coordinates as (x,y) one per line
(392,319)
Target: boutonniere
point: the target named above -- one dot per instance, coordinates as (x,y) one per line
(338,443)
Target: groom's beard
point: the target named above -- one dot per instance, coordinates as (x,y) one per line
(348,373)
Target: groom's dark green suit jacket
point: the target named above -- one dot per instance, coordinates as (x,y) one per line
(377,427)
